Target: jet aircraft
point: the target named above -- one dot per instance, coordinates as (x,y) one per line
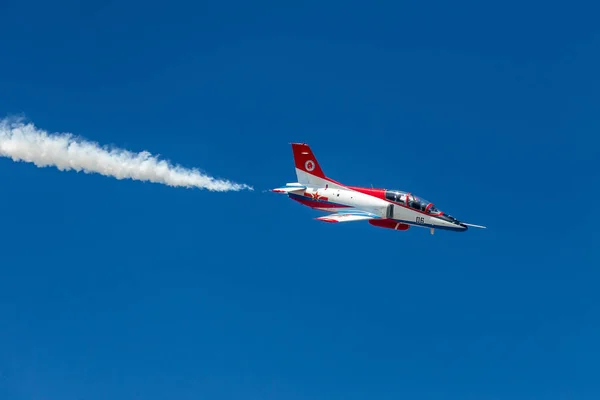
(392,209)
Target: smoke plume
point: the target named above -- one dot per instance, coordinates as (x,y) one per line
(24,142)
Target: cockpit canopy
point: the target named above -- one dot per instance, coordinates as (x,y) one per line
(411,201)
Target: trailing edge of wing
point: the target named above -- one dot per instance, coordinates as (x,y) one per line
(340,217)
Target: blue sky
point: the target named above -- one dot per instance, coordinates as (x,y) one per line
(129,290)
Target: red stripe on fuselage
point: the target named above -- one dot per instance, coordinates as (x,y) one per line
(309,202)
(379,193)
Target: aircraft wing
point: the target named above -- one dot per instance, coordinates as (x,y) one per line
(346,217)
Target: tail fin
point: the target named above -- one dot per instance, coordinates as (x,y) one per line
(308,170)
(306,161)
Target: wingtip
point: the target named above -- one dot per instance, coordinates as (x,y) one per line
(330,220)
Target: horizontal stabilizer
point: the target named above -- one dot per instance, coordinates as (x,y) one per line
(290,187)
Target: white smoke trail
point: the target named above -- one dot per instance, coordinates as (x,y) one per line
(24,142)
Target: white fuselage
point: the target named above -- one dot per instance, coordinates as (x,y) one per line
(380,207)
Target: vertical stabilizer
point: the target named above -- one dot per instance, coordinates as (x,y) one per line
(308,170)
